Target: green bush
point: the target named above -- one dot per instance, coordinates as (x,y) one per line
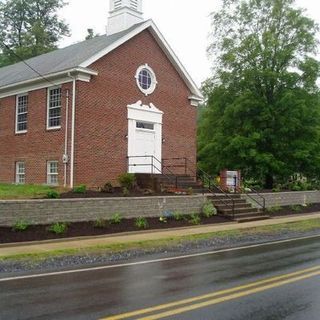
(127,180)
(274,209)
(21,225)
(296,208)
(53,194)
(116,218)
(58,228)
(100,224)
(80,189)
(108,188)
(194,219)
(208,210)
(141,223)
(125,192)
(177,215)
(190,191)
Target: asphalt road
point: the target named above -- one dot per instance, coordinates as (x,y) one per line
(278,281)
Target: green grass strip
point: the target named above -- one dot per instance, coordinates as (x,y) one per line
(301,226)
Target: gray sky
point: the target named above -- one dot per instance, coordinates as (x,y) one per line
(184,23)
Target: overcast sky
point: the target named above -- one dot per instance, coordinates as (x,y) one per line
(184,23)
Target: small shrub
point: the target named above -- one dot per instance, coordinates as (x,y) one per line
(295,187)
(116,218)
(274,209)
(125,192)
(21,225)
(190,191)
(296,208)
(107,188)
(141,223)
(194,219)
(100,224)
(53,194)
(177,215)
(277,188)
(127,180)
(208,209)
(163,219)
(80,189)
(58,228)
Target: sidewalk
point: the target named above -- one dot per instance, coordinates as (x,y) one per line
(7,250)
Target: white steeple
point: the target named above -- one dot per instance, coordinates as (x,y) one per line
(123,15)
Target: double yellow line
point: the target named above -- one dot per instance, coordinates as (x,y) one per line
(185,305)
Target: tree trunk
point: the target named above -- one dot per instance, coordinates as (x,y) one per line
(269,181)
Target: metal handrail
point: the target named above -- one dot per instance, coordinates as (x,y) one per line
(205,179)
(263,205)
(153,166)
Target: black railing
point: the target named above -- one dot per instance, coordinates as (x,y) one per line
(190,168)
(261,203)
(156,167)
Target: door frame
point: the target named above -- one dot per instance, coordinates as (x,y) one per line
(138,112)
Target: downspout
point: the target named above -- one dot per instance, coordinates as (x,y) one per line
(73,116)
(65,156)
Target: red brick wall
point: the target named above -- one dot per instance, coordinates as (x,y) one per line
(35,147)
(102,125)
(101,119)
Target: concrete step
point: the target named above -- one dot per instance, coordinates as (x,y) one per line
(223,206)
(239,210)
(222,201)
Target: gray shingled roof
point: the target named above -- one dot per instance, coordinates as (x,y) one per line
(58,60)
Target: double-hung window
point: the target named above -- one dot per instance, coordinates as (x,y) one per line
(52,172)
(20,172)
(22,113)
(54,108)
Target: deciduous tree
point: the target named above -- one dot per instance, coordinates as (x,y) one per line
(29,28)
(262,112)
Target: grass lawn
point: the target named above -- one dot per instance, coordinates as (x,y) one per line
(11,191)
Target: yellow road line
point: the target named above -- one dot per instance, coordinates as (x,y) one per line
(207,296)
(229,297)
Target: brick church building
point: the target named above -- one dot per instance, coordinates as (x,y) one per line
(117,103)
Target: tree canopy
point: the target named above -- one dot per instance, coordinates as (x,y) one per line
(29,28)
(262,113)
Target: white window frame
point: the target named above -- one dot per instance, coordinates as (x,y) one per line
(48,108)
(17,131)
(51,174)
(153,79)
(20,174)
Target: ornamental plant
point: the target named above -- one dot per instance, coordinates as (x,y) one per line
(208,209)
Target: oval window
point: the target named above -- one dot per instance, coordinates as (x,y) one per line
(146,79)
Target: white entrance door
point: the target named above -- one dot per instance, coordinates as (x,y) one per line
(145,147)
(144,139)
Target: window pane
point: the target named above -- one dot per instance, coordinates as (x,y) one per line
(54,112)
(145,125)
(20,172)
(22,113)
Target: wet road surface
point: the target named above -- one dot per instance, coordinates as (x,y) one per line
(278,281)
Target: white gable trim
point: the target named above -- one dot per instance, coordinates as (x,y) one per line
(162,43)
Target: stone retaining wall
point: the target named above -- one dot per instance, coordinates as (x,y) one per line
(72,210)
(286,198)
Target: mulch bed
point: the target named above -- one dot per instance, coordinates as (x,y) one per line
(40,232)
(312,208)
(117,193)
(79,229)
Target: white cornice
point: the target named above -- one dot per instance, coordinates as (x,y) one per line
(58,78)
